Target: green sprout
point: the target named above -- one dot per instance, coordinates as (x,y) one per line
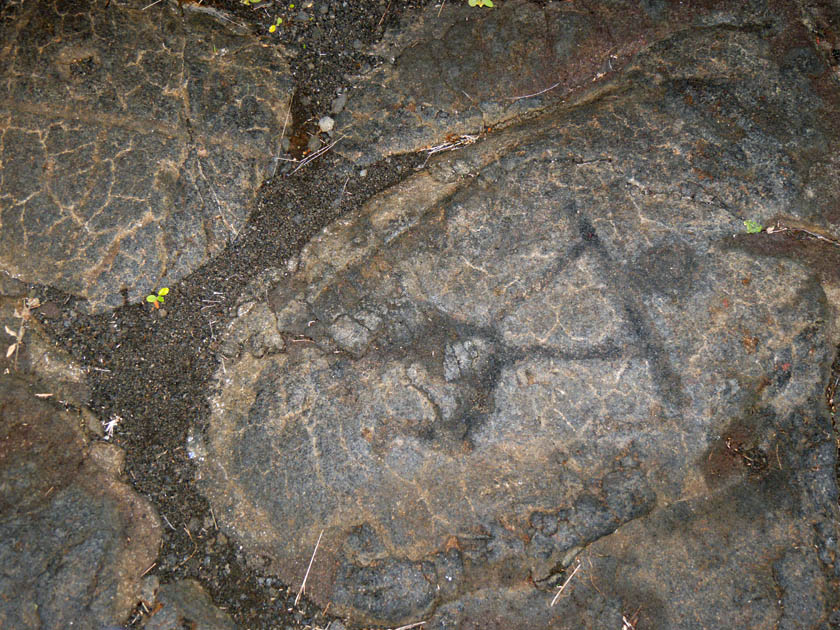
(248,3)
(753,227)
(481,3)
(157,298)
(274,26)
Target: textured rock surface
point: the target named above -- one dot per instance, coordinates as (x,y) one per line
(452,72)
(185,603)
(550,345)
(128,157)
(74,540)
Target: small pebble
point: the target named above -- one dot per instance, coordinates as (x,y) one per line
(314,143)
(326,124)
(338,103)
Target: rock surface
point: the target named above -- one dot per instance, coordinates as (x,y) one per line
(185,603)
(131,155)
(74,539)
(550,348)
(455,72)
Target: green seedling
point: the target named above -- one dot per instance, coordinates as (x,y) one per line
(157,298)
(481,3)
(274,26)
(753,227)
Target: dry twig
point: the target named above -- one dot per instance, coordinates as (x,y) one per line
(315,155)
(24,313)
(779,227)
(461,141)
(630,624)
(568,579)
(305,577)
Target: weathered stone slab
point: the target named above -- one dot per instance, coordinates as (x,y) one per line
(131,141)
(185,603)
(74,539)
(549,348)
(452,72)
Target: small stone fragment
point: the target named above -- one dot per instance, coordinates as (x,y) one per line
(326,124)
(338,103)
(314,144)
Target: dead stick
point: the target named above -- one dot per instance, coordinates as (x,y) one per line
(568,579)
(311,560)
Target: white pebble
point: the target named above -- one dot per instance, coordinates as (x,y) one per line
(326,124)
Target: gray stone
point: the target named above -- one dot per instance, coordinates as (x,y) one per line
(326,124)
(132,154)
(455,71)
(550,346)
(338,103)
(314,144)
(52,374)
(255,329)
(74,539)
(185,603)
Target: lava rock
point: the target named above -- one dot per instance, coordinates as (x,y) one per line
(549,345)
(185,603)
(133,141)
(74,539)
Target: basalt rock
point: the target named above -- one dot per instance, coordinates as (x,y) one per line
(132,141)
(74,539)
(557,351)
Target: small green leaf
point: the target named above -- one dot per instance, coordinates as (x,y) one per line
(753,227)
(488,3)
(164,291)
(472,3)
(151,298)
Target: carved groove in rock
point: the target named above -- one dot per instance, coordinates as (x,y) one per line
(542,353)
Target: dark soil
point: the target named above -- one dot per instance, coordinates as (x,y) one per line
(153,367)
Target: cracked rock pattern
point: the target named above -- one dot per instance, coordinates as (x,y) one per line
(548,348)
(127,157)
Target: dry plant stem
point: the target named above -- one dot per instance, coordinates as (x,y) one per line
(151,566)
(382,19)
(785,228)
(285,122)
(463,141)
(568,579)
(194,549)
(315,155)
(411,625)
(548,89)
(25,314)
(305,577)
